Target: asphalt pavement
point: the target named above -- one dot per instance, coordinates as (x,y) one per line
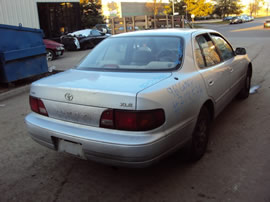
(235,167)
(68,60)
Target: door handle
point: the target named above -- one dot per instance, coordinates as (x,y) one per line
(231,69)
(211,82)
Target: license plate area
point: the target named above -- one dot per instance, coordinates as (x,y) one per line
(69,147)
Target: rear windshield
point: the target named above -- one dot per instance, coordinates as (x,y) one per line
(135,53)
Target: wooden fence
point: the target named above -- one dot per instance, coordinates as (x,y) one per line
(133,23)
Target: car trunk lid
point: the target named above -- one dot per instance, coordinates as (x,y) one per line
(81,96)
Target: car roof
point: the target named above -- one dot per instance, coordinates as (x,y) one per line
(165,32)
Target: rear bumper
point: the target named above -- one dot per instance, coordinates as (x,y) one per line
(119,148)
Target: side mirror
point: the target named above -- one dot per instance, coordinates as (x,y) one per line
(240,51)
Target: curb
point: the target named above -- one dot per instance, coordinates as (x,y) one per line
(14,92)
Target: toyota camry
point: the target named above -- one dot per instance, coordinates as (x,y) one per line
(140,96)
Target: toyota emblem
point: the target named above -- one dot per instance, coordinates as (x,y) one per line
(68,97)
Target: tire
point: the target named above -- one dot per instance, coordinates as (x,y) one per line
(244,92)
(200,135)
(50,55)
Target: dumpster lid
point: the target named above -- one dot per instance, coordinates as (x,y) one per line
(19,28)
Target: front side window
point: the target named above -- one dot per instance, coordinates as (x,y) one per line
(135,53)
(208,49)
(224,48)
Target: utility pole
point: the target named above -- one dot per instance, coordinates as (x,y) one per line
(172,7)
(186,11)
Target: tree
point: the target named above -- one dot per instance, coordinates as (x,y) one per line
(195,7)
(91,13)
(156,7)
(199,7)
(255,6)
(228,7)
(178,7)
(113,8)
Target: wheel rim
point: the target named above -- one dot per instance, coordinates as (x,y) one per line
(49,56)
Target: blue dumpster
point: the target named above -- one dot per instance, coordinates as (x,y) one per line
(22,53)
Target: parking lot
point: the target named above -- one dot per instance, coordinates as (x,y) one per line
(235,167)
(68,60)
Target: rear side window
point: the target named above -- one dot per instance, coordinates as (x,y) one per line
(199,56)
(208,49)
(224,48)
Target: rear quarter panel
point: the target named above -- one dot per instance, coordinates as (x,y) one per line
(181,96)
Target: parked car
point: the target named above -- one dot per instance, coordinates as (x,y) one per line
(245,19)
(103,28)
(228,18)
(83,39)
(53,48)
(266,24)
(236,20)
(140,96)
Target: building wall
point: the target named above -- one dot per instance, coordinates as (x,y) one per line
(13,12)
(136,8)
(133,9)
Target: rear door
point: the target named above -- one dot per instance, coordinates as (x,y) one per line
(236,64)
(215,72)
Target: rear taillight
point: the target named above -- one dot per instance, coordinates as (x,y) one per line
(132,120)
(107,120)
(37,106)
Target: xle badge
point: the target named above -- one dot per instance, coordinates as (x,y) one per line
(126,104)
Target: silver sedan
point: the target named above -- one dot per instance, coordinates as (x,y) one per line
(140,96)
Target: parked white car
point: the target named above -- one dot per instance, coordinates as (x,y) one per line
(140,96)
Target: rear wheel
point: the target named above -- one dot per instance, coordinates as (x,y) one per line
(200,135)
(244,92)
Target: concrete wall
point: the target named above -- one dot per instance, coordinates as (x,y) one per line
(13,12)
(133,9)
